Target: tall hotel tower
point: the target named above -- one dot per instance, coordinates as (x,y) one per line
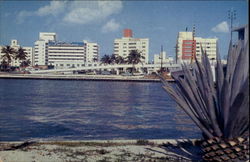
(188,45)
(124,45)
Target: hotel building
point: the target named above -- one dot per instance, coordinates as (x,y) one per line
(66,55)
(92,51)
(41,48)
(124,45)
(49,51)
(188,46)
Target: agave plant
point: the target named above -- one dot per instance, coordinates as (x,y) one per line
(221,108)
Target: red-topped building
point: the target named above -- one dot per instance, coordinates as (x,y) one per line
(127,33)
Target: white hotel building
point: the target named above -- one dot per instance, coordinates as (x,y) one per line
(184,47)
(49,51)
(14,44)
(41,48)
(66,55)
(124,45)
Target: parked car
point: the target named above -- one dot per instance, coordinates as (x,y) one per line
(105,73)
(127,74)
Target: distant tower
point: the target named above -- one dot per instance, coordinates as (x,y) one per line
(127,33)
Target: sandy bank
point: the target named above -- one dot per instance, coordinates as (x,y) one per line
(114,150)
(82,77)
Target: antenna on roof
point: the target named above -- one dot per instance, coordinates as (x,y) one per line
(231,17)
(193,45)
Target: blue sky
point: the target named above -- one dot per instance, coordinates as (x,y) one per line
(102,22)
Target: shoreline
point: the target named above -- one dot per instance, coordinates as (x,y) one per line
(101,150)
(81,77)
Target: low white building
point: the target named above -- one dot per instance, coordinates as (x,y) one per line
(15,45)
(162,58)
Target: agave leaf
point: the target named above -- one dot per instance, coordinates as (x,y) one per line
(191,92)
(244,123)
(182,102)
(187,92)
(239,72)
(219,84)
(212,114)
(221,111)
(234,113)
(192,116)
(207,80)
(230,62)
(239,109)
(225,102)
(245,129)
(200,72)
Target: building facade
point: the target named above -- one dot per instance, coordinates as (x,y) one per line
(15,45)
(49,51)
(189,47)
(162,58)
(92,52)
(66,55)
(124,45)
(41,48)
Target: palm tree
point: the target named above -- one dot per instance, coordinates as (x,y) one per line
(112,58)
(8,54)
(119,60)
(222,111)
(134,57)
(3,65)
(106,59)
(21,54)
(95,59)
(25,63)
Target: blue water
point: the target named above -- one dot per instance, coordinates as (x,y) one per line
(88,110)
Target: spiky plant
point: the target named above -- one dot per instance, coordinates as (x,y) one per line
(221,108)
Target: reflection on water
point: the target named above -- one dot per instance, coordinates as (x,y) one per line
(82,110)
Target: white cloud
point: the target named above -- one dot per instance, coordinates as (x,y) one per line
(111,26)
(22,15)
(222,27)
(54,8)
(84,12)
(76,12)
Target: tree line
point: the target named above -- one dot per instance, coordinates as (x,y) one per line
(10,54)
(134,57)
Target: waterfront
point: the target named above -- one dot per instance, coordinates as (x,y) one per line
(89,110)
